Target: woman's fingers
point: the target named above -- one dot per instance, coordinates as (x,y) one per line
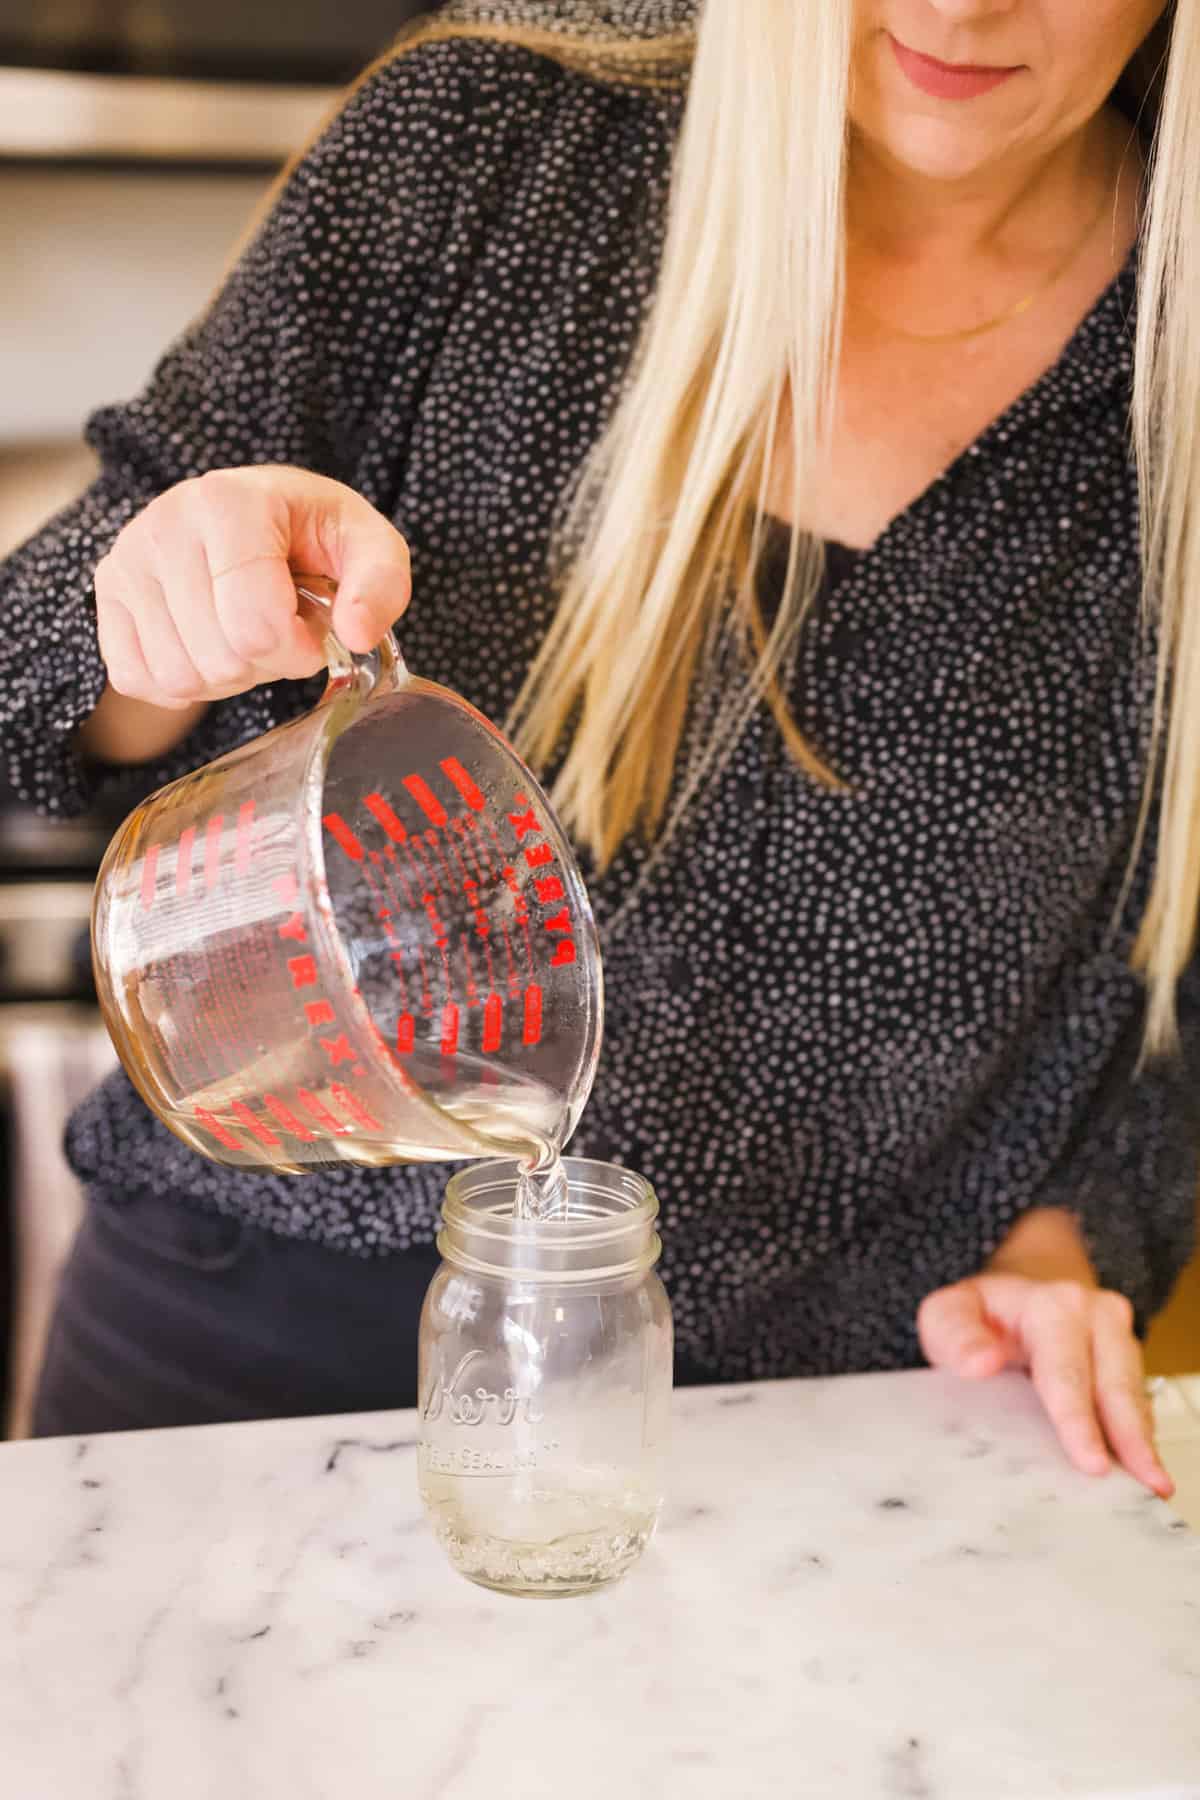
(1121,1393)
(259,522)
(120,645)
(197,599)
(957,1334)
(1078,1344)
(142,650)
(187,589)
(1059,1348)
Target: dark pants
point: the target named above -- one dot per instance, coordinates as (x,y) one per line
(167,1316)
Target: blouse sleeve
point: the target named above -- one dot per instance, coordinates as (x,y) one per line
(1132,1183)
(1128,1169)
(291,363)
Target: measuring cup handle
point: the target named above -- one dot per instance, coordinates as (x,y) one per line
(381,670)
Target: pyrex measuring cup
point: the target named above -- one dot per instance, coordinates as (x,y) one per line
(362,937)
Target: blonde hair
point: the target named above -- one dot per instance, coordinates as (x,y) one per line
(1166,423)
(741,344)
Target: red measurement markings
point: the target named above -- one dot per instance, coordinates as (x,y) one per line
(450,1024)
(411,876)
(303,971)
(287,1118)
(522,911)
(245,837)
(533,1016)
(465,849)
(426,991)
(392,903)
(495,837)
(472,987)
(393,867)
(456,825)
(384,913)
(212,1124)
(440,937)
(212,850)
(429,875)
(150,876)
(343,837)
(514,980)
(564,952)
(435,844)
(458,778)
(426,799)
(183,861)
(319,1012)
(405,1025)
(493,1024)
(479,845)
(526,824)
(525,821)
(379,809)
(354,1106)
(322,1114)
(253,1124)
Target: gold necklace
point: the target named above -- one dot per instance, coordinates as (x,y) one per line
(1013,312)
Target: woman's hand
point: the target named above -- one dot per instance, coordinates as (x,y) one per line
(1075,1339)
(195,600)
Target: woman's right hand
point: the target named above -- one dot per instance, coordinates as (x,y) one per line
(195,600)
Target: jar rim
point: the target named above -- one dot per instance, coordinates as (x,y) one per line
(481,1231)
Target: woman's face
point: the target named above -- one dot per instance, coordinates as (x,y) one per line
(949,87)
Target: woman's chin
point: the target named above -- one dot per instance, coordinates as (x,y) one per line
(934,149)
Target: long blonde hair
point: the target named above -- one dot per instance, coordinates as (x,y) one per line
(1166,425)
(741,344)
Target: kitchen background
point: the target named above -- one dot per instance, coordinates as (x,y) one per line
(137,137)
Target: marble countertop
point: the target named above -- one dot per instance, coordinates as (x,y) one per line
(880,1588)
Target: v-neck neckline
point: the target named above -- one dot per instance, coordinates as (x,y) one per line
(1076,358)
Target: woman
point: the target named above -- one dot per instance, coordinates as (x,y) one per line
(869,885)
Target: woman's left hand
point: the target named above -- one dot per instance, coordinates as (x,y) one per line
(1078,1344)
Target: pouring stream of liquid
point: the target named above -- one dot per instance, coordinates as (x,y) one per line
(542,1190)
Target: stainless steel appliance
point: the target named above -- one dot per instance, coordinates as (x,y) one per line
(223,82)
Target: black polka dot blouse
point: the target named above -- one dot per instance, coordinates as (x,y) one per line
(852,1036)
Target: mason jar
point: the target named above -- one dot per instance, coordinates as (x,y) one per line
(545,1381)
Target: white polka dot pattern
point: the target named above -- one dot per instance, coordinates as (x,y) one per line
(852,1036)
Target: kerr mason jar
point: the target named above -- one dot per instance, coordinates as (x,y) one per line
(545,1381)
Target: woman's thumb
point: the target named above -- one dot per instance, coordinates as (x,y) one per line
(374,582)
(336,532)
(956,1333)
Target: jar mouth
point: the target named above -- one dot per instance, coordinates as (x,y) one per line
(608,1229)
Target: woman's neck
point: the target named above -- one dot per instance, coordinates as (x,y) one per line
(1016,213)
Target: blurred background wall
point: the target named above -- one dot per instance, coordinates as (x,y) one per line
(136,139)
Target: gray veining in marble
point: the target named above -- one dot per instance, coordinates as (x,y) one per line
(883,1588)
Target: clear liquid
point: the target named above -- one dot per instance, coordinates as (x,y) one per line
(542,1541)
(542,1188)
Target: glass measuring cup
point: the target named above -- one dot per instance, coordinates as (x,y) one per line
(361,937)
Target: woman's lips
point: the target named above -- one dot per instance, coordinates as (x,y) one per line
(948,81)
